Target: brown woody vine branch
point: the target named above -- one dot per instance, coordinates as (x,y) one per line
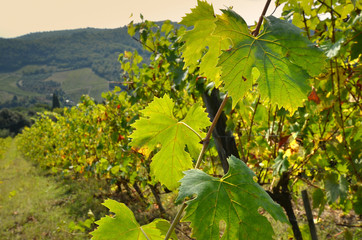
(257,29)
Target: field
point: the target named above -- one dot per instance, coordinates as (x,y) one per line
(9,88)
(74,83)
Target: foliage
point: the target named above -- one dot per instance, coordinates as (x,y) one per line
(13,122)
(161,127)
(124,225)
(295,114)
(83,134)
(331,122)
(235,199)
(203,19)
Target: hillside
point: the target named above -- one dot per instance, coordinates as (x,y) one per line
(69,62)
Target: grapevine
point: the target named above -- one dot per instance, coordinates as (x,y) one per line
(290,91)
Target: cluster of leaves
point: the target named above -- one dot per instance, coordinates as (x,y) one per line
(266,60)
(327,131)
(12,122)
(87,139)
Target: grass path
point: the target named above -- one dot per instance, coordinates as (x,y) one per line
(32,205)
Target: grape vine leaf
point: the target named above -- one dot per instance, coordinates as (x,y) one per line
(233,199)
(199,38)
(284,58)
(159,126)
(124,225)
(281,165)
(335,188)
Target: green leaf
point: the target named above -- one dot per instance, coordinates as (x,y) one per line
(159,126)
(357,201)
(199,39)
(356,49)
(123,225)
(335,188)
(284,58)
(281,164)
(332,49)
(319,200)
(307,6)
(318,197)
(234,200)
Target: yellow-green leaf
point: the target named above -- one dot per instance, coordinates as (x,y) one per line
(202,18)
(159,126)
(284,58)
(124,226)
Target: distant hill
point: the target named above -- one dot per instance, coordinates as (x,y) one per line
(35,65)
(69,49)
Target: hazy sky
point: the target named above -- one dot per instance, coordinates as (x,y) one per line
(19,17)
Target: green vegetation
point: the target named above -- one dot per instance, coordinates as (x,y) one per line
(8,86)
(32,66)
(69,85)
(72,49)
(12,122)
(285,117)
(75,83)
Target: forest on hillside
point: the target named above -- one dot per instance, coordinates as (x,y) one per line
(69,49)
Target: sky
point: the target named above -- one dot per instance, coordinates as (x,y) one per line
(19,17)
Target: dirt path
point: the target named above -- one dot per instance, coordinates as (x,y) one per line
(32,205)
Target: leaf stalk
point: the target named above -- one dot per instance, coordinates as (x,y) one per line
(144,233)
(197,134)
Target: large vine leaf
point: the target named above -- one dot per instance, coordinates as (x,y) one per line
(284,58)
(200,38)
(159,126)
(335,188)
(124,226)
(234,199)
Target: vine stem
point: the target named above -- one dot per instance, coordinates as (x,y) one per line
(330,7)
(257,29)
(205,143)
(306,25)
(206,140)
(252,119)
